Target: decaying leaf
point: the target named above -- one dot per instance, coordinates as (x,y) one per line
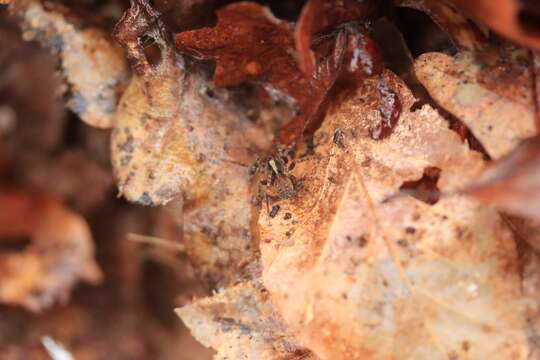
(357,274)
(249,43)
(240,323)
(178,136)
(494,93)
(462,31)
(490,91)
(94,68)
(59,253)
(517,20)
(318,16)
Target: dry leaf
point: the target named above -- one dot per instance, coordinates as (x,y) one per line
(490,91)
(321,15)
(517,20)
(462,31)
(177,136)
(493,93)
(240,323)
(249,43)
(60,251)
(247,36)
(357,274)
(530,263)
(95,69)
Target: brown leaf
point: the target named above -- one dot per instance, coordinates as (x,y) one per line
(358,277)
(246,34)
(517,20)
(530,263)
(463,32)
(249,43)
(94,68)
(60,251)
(177,136)
(318,16)
(240,323)
(490,91)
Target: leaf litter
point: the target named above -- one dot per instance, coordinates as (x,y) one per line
(376,238)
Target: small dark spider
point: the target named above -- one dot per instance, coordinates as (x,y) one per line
(273,179)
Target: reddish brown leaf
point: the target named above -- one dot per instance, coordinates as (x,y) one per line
(321,15)
(249,43)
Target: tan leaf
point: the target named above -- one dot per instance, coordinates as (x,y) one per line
(95,69)
(357,273)
(178,136)
(60,252)
(240,323)
(490,91)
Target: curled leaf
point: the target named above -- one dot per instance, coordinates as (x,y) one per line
(93,67)
(60,251)
(463,32)
(508,17)
(321,15)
